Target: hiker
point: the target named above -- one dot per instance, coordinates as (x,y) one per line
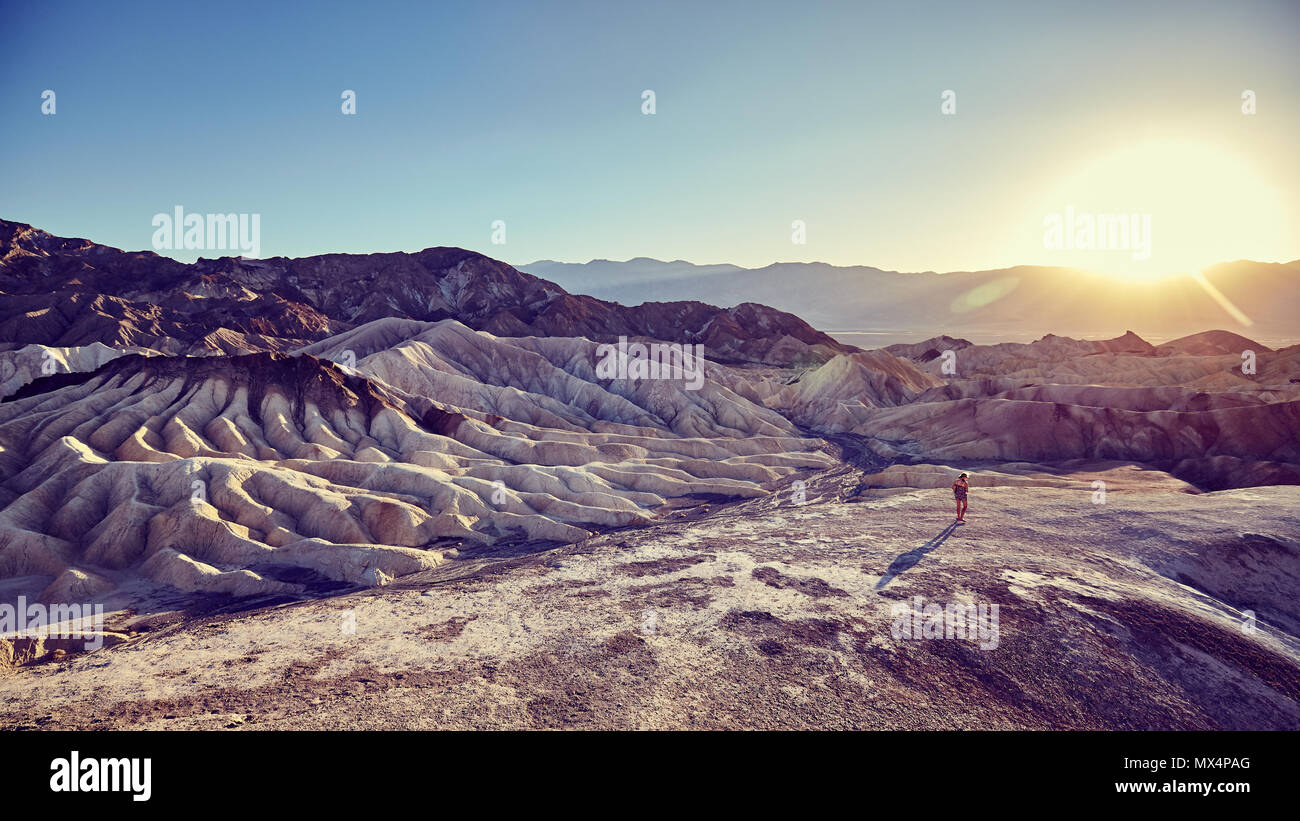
(959,489)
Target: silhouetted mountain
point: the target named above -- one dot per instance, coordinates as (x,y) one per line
(1022,299)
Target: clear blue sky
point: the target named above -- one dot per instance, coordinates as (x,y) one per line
(531,113)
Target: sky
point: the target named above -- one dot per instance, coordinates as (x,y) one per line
(532,114)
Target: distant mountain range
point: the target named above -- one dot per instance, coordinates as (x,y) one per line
(1022,299)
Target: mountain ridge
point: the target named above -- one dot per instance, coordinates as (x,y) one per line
(103,294)
(1023,299)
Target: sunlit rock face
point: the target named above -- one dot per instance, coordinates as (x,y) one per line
(217,474)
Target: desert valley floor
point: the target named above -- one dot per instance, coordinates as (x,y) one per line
(761,615)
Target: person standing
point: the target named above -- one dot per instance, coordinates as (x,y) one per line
(959,489)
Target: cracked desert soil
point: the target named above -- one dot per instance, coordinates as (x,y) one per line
(759,614)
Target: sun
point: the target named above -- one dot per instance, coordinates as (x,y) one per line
(1163,207)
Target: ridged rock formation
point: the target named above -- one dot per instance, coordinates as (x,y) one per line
(218,474)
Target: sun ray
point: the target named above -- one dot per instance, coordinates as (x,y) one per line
(1224,302)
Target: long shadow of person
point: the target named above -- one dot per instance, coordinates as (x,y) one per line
(909,559)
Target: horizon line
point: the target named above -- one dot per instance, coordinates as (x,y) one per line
(1147,278)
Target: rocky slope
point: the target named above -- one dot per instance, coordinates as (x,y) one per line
(1197,414)
(1158,610)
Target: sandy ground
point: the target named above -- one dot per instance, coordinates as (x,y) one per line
(761,614)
